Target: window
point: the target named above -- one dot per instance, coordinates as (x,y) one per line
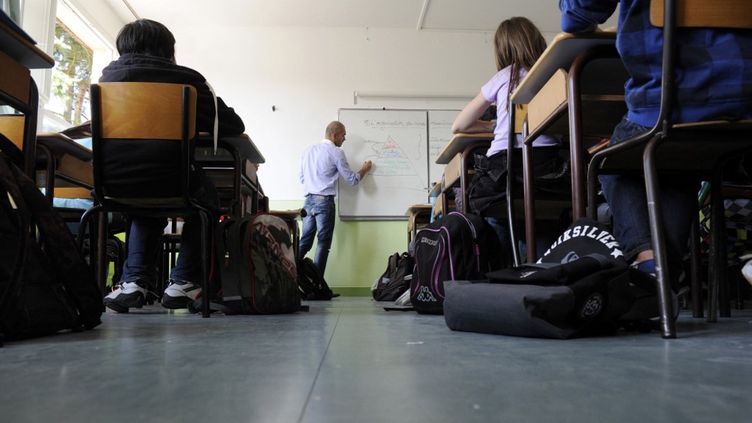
(71,76)
(80,51)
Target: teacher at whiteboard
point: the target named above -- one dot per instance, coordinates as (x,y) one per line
(321,166)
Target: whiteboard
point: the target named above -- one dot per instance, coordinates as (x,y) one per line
(396,141)
(439,135)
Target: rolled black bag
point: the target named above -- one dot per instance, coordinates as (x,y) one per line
(590,296)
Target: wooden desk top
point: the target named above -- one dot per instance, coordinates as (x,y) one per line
(417,208)
(60,144)
(21,50)
(286,214)
(459,142)
(241,143)
(559,55)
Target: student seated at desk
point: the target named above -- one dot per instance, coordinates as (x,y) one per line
(714,79)
(518,45)
(147,54)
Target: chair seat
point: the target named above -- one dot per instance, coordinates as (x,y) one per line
(167,202)
(693,148)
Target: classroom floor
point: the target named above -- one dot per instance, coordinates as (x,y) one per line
(349,361)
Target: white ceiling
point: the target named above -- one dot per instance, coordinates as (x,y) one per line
(441,15)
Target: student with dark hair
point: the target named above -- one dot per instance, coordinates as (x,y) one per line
(147,54)
(714,80)
(517,46)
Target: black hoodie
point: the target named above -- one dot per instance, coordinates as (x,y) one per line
(144,68)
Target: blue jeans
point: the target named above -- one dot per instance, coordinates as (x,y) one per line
(145,235)
(628,202)
(319,218)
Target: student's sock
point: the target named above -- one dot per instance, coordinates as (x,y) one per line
(645,266)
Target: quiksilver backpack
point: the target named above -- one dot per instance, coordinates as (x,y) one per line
(581,287)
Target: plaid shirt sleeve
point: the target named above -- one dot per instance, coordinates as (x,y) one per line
(585,15)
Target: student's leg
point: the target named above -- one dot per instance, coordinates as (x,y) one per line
(138,271)
(185,277)
(143,244)
(627,200)
(500,227)
(309,228)
(188,266)
(325,222)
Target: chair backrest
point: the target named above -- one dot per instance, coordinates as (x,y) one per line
(520,113)
(12,127)
(12,138)
(670,14)
(141,135)
(705,14)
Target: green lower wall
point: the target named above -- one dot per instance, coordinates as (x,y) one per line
(359,250)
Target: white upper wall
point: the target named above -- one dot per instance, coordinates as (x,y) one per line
(309,73)
(308,58)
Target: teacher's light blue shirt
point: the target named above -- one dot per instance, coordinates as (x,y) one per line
(321,166)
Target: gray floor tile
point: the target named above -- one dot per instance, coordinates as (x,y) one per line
(350,361)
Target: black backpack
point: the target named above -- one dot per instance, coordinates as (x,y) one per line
(457,247)
(396,278)
(45,284)
(583,237)
(592,295)
(582,286)
(311,282)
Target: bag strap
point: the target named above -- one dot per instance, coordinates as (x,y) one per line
(215,133)
(18,209)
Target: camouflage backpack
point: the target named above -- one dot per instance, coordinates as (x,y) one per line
(257,266)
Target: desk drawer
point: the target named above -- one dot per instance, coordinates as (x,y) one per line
(15,80)
(75,169)
(452,171)
(552,96)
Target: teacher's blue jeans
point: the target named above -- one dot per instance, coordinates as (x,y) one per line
(627,199)
(319,218)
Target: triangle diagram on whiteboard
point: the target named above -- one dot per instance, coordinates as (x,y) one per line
(391,159)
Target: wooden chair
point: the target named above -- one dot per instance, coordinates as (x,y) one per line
(158,120)
(12,129)
(697,148)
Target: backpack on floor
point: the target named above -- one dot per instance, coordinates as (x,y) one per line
(45,284)
(583,237)
(256,266)
(396,278)
(582,286)
(311,282)
(459,246)
(592,295)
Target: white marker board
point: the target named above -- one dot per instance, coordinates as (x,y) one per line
(439,135)
(396,141)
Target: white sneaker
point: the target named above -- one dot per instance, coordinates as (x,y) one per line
(127,294)
(180,294)
(747,271)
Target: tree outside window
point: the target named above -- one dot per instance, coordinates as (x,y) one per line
(71,77)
